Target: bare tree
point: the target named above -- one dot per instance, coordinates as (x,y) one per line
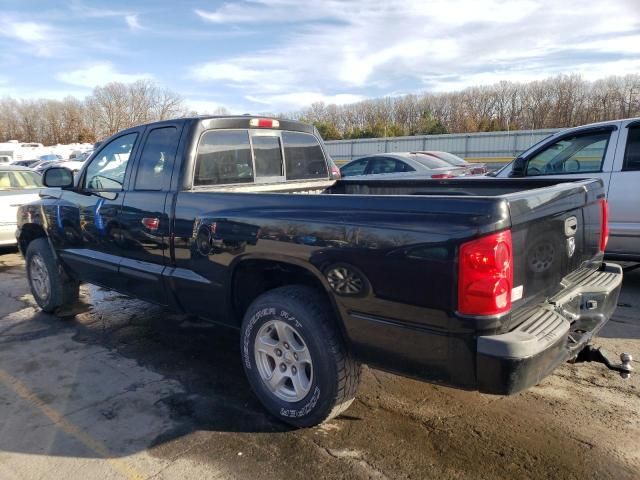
(561,101)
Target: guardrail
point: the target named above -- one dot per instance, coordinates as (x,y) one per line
(484,147)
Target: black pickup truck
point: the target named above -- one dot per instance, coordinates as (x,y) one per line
(481,284)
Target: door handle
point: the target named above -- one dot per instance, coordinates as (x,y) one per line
(151,223)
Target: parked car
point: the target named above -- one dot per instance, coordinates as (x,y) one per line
(609,151)
(401,164)
(73,165)
(456,161)
(18,185)
(5,159)
(475,283)
(25,163)
(45,160)
(50,157)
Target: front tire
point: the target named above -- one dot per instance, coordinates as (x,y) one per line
(295,359)
(50,285)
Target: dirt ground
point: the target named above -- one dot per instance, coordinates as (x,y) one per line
(118,388)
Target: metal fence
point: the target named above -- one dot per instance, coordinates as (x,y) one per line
(492,146)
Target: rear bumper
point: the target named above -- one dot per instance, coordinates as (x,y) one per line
(548,334)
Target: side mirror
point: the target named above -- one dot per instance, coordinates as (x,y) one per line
(517,169)
(59,177)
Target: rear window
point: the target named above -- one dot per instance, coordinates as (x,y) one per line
(224,156)
(245,156)
(304,157)
(268,156)
(430,162)
(450,158)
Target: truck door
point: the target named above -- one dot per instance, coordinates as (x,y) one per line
(624,194)
(88,218)
(581,154)
(145,215)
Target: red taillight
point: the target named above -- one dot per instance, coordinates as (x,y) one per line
(264,123)
(442,175)
(151,223)
(604,224)
(335,173)
(485,275)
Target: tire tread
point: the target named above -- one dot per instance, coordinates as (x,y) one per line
(348,369)
(64,290)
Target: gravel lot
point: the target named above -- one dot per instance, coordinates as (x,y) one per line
(118,388)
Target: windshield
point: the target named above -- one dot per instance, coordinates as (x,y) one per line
(19,180)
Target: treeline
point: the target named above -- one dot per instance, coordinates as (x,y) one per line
(562,101)
(557,102)
(107,110)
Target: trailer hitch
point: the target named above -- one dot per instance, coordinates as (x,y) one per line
(597,354)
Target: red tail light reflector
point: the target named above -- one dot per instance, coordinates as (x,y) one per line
(442,175)
(151,223)
(264,123)
(335,173)
(485,275)
(604,224)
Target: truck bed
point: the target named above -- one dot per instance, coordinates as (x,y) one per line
(471,186)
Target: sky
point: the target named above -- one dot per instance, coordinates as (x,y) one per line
(252,56)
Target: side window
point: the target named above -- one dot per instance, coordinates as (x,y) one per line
(156,161)
(106,170)
(224,156)
(403,167)
(268,156)
(303,156)
(355,168)
(577,154)
(632,152)
(383,165)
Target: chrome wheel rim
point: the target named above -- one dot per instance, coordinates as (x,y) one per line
(283,361)
(345,281)
(39,277)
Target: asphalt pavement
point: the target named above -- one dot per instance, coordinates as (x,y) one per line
(117,388)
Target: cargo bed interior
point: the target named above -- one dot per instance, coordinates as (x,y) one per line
(477,187)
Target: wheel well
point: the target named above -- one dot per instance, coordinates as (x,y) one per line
(28,233)
(254,277)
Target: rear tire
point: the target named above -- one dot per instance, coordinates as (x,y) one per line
(295,358)
(50,286)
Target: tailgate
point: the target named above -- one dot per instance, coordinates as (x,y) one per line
(555,231)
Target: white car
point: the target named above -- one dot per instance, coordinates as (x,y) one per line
(18,185)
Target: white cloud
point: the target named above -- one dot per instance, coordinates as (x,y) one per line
(281,11)
(337,46)
(208,106)
(224,71)
(298,100)
(86,11)
(132,22)
(38,37)
(99,74)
